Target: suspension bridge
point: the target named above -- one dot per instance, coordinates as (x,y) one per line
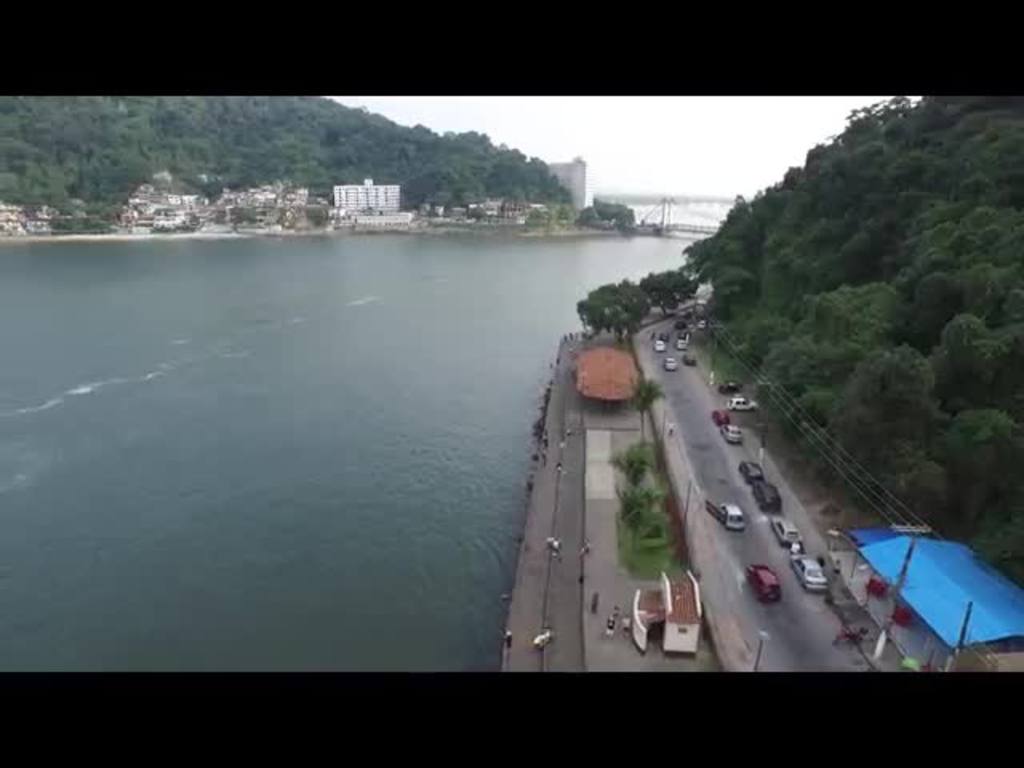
(656,212)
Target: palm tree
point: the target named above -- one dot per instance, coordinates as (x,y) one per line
(638,504)
(647,391)
(635,461)
(641,510)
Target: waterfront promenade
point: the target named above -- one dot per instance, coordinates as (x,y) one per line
(547,591)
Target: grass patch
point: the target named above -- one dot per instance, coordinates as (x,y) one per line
(645,558)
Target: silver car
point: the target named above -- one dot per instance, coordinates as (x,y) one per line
(671,364)
(732,434)
(785,532)
(809,574)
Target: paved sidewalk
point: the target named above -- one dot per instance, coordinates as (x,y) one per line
(547,588)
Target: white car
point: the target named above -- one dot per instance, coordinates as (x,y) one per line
(742,404)
(785,532)
(681,345)
(671,364)
(809,574)
(701,324)
(732,434)
(659,346)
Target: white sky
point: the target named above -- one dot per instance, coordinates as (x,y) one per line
(714,145)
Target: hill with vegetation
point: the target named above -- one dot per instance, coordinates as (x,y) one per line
(882,286)
(54,150)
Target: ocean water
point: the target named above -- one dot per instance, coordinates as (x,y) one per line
(290,454)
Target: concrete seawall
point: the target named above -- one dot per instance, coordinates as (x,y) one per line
(547,589)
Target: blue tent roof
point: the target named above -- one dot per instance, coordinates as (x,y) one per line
(864,536)
(942,578)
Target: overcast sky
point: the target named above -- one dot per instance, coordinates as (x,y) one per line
(720,146)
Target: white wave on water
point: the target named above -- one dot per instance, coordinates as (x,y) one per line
(86,389)
(362,301)
(52,403)
(236,355)
(179,342)
(151,375)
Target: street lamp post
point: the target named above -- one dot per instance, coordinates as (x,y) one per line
(761,637)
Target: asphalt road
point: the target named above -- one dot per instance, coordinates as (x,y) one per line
(801,627)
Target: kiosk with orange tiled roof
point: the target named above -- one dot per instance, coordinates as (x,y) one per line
(606,374)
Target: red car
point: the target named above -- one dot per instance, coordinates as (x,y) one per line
(765,583)
(721,418)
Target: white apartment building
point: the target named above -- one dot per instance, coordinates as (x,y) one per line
(381,198)
(573,176)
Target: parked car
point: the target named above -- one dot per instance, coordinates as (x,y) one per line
(659,346)
(728,515)
(785,532)
(751,471)
(729,388)
(680,324)
(732,434)
(767,496)
(681,345)
(663,335)
(702,324)
(809,574)
(671,364)
(689,360)
(765,583)
(721,418)
(742,404)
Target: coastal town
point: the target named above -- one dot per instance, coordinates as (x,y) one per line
(163,206)
(731,561)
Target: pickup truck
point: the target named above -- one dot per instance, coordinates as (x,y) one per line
(728,515)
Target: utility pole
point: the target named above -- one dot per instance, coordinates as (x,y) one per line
(963,637)
(761,637)
(900,581)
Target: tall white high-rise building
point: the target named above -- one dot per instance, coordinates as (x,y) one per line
(573,177)
(381,198)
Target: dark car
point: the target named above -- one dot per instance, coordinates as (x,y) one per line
(663,336)
(729,387)
(689,360)
(767,496)
(751,471)
(721,418)
(680,325)
(765,583)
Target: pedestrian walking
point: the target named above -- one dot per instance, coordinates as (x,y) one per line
(508,638)
(593,603)
(558,468)
(609,627)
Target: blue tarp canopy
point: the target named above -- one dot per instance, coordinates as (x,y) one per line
(864,536)
(942,579)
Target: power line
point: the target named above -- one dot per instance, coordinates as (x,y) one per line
(866,485)
(790,405)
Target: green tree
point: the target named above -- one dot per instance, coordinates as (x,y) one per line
(647,392)
(635,462)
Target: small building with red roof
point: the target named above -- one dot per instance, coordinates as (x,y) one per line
(606,374)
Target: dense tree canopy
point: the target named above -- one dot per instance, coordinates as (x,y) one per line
(618,309)
(98,149)
(882,284)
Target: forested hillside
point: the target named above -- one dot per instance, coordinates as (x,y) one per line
(882,284)
(98,149)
